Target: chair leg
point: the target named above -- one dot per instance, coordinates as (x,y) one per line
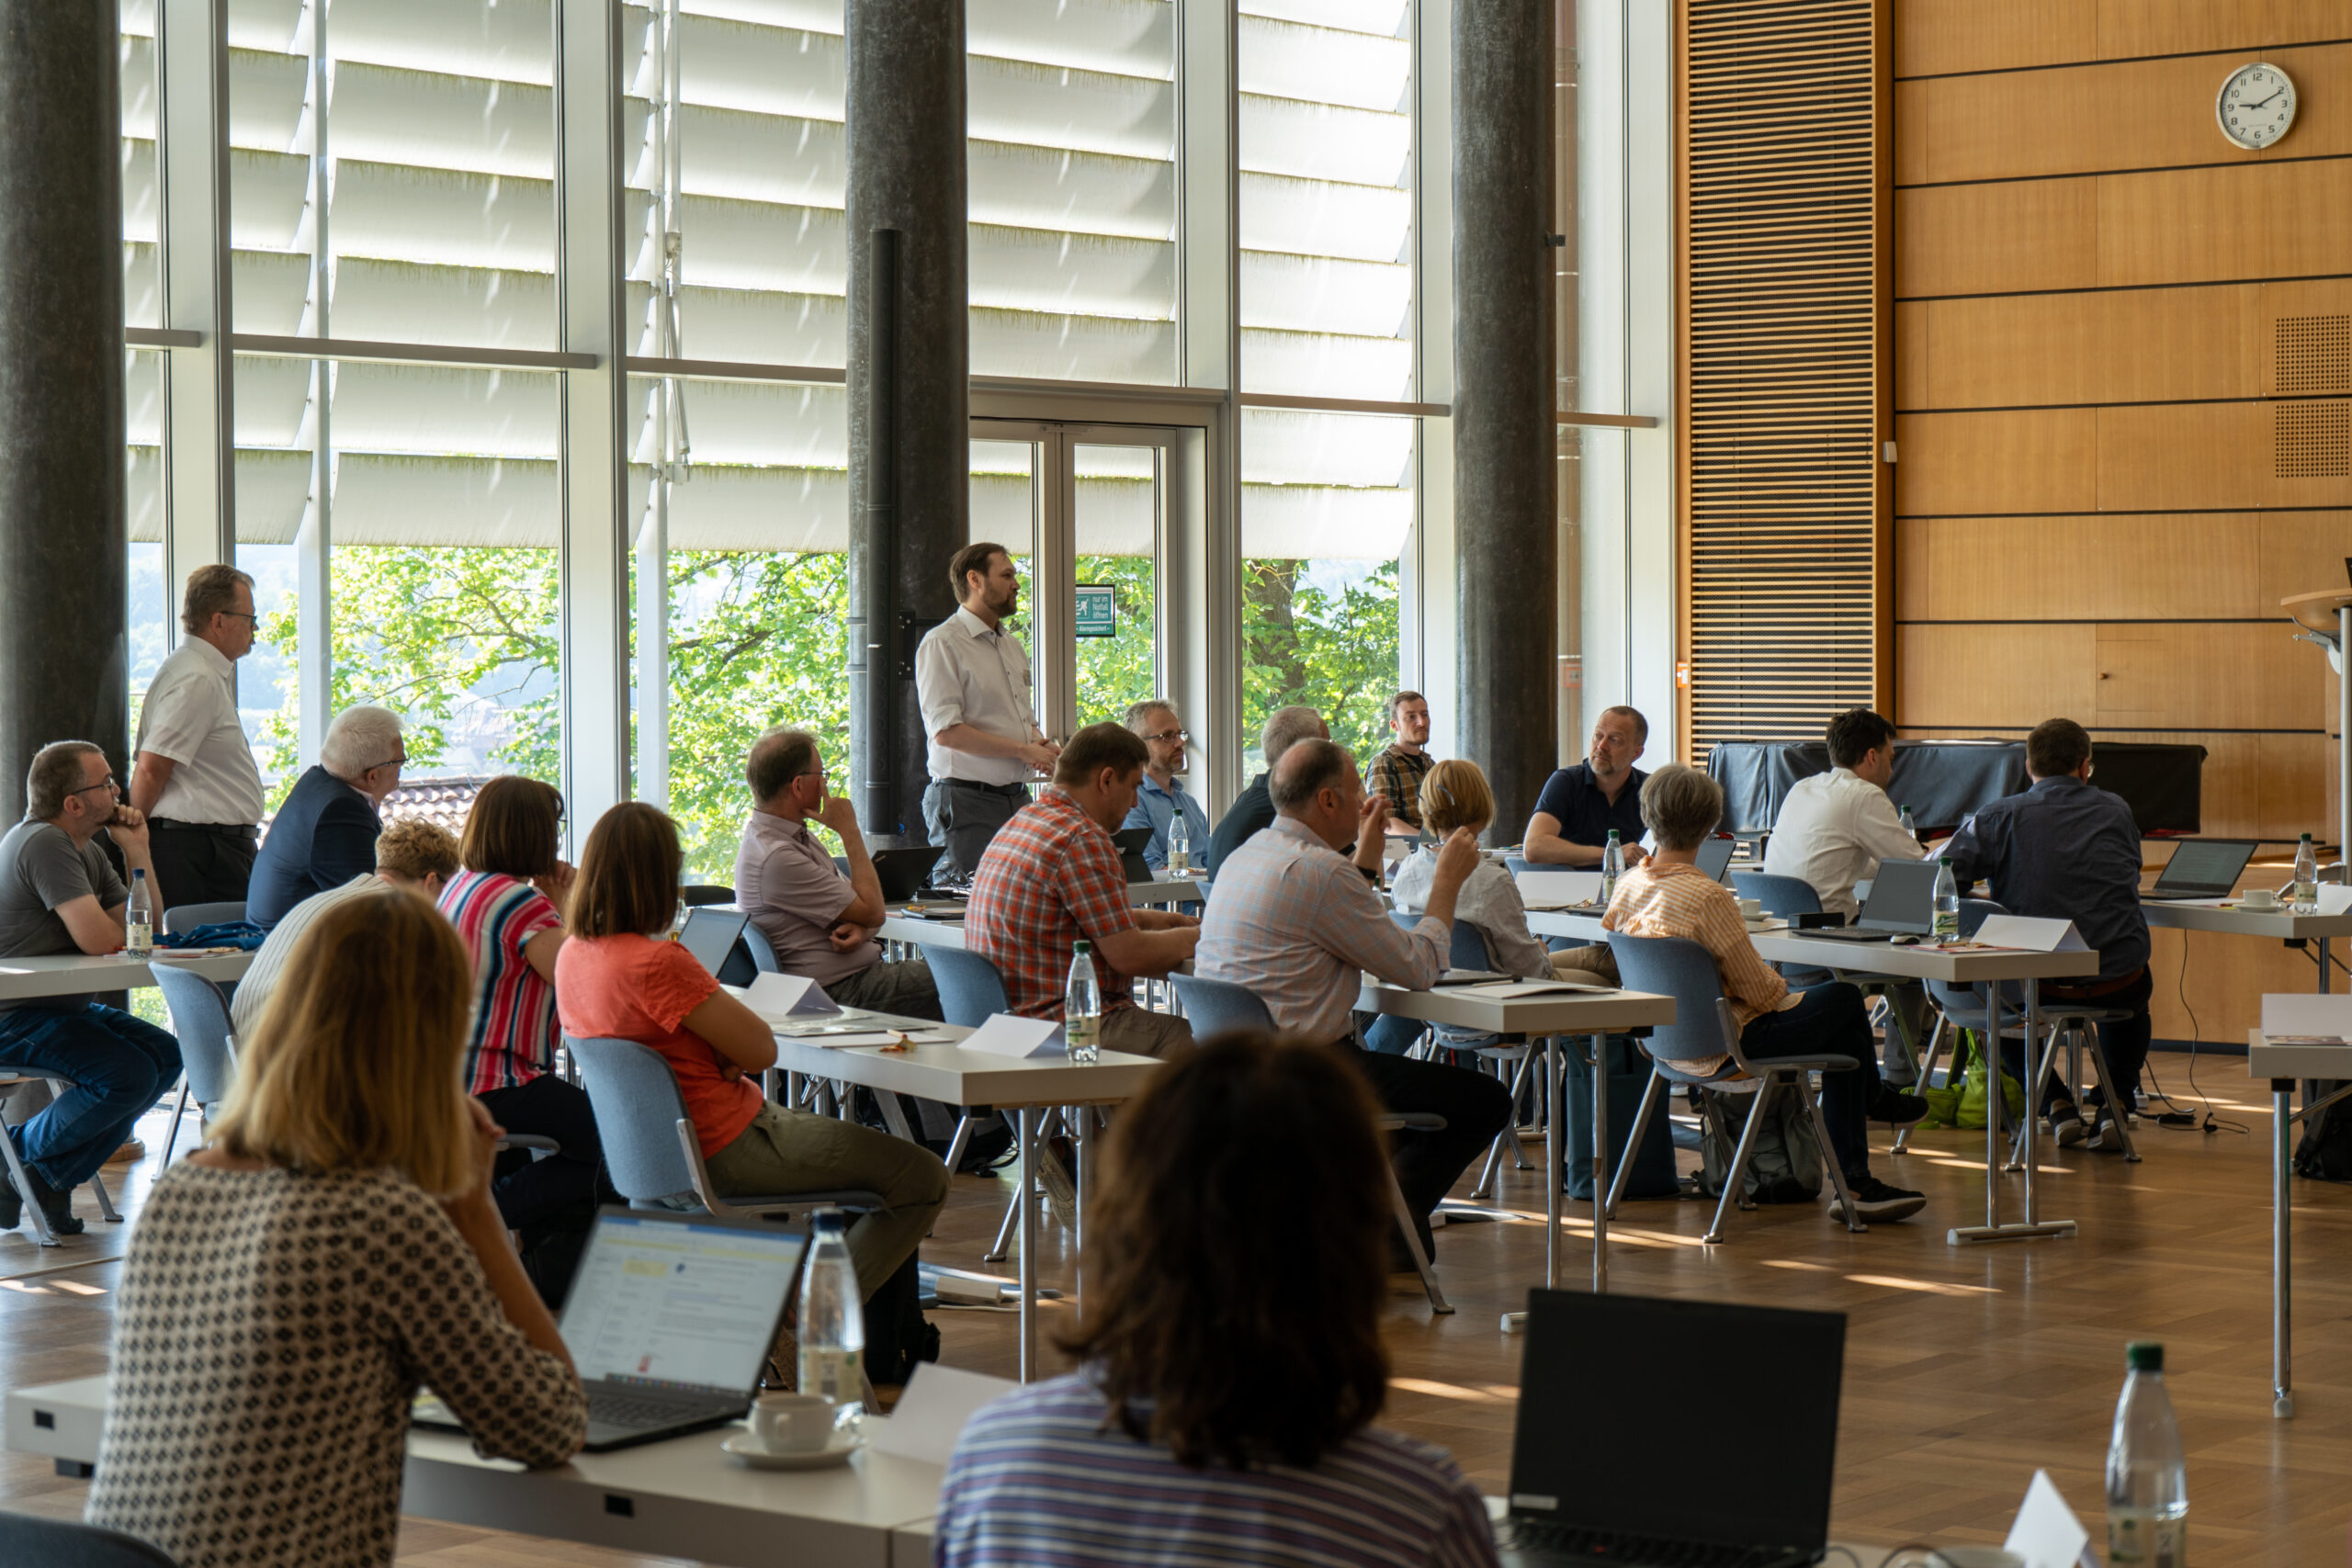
(1738,1172)
(1828,1152)
(1003,1247)
(2118,1105)
(1510,1132)
(2041,1069)
(24,1186)
(172,1138)
(1927,1078)
(1652,1092)
(955,1144)
(106,1203)
(1413,1245)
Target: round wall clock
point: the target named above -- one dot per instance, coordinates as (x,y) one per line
(2256,106)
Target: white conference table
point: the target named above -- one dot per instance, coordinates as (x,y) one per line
(74,974)
(2237,920)
(679,1498)
(2282,1064)
(1977,966)
(1026,1087)
(1547,1018)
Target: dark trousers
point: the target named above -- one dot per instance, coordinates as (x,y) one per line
(1475,1109)
(195,865)
(118,1068)
(2125,1044)
(1828,1020)
(550,1201)
(963,816)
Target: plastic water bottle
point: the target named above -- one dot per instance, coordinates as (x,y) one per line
(1947,901)
(2147,1481)
(1180,843)
(832,1316)
(2303,893)
(1082,1007)
(1910,823)
(1612,867)
(138,917)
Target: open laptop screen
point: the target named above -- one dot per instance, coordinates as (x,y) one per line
(709,934)
(689,1301)
(2204,868)
(1903,897)
(1609,1424)
(1714,856)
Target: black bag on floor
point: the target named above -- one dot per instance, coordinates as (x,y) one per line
(1784,1163)
(2325,1154)
(1629,1072)
(897,1334)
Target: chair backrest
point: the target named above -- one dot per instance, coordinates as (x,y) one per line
(1780,895)
(1220,1007)
(695,894)
(637,1105)
(200,1023)
(1470,950)
(181,918)
(54,1544)
(761,952)
(1678,967)
(971,991)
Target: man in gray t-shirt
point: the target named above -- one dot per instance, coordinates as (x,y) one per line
(59,895)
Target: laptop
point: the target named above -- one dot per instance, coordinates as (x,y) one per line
(1602,1469)
(1714,856)
(669,1320)
(1132,842)
(1902,900)
(2202,868)
(710,934)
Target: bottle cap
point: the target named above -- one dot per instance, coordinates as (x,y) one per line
(138,873)
(1943,860)
(826,1221)
(1079,947)
(2144,1356)
(1612,833)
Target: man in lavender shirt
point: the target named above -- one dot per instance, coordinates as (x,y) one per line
(820,922)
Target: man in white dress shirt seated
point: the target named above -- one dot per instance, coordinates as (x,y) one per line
(979,714)
(1833,831)
(194,777)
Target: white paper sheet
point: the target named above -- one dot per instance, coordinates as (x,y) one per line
(1010,1035)
(2335,898)
(2047,1534)
(1559,889)
(931,1413)
(1505,989)
(2300,1012)
(2031,934)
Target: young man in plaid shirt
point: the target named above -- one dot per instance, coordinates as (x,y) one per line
(1051,877)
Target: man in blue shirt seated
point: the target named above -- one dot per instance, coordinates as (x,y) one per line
(2065,851)
(1161,794)
(1579,805)
(325,833)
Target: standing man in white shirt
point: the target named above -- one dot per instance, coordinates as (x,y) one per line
(195,779)
(979,714)
(1833,831)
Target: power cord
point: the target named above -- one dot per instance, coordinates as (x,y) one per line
(2176,1118)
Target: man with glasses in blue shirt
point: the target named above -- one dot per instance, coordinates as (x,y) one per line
(1161,794)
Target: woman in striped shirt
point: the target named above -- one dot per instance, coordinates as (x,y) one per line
(505,906)
(1232,1356)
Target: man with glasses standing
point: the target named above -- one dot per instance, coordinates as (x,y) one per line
(325,833)
(978,713)
(1161,793)
(195,780)
(819,921)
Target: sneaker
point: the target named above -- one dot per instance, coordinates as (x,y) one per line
(133,1150)
(2067,1126)
(2108,1139)
(1902,1110)
(1061,1193)
(56,1207)
(1876,1201)
(12,1205)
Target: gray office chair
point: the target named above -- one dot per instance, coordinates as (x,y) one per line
(1220,1007)
(1702,1028)
(1784,898)
(208,1055)
(54,1544)
(182,918)
(971,991)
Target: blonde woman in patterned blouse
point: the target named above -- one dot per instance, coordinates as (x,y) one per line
(289,1288)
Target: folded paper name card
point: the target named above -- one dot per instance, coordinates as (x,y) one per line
(787,995)
(1559,889)
(2032,935)
(1010,1035)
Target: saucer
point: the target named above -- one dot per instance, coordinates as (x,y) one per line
(745,1450)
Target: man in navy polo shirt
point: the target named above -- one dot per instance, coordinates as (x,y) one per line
(1579,805)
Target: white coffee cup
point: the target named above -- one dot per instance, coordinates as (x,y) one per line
(2260,898)
(793,1423)
(1751,908)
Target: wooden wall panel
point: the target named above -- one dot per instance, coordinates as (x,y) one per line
(2298,792)
(2009,351)
(2190,456)
(1937,35)
(2224,982)
(2030,460)
(2173,566)
(1913,355)
(2205,675)
(2302,552)
(2035,234)
(1960,676)
(2253,219)
(2130,29)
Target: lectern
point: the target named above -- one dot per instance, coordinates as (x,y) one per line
(2325,618)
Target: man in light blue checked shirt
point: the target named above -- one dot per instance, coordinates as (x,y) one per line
(1161,793)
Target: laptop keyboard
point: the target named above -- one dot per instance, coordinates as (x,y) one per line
(635,1412)
(1637,1552)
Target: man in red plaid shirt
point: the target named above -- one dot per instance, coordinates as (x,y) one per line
(1051,877)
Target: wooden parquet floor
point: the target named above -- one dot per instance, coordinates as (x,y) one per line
(1966,1368)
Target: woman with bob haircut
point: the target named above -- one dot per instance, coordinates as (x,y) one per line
(615,980)
(1231,1348)
(291,1286)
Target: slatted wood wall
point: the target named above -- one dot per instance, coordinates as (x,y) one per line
(1786,369)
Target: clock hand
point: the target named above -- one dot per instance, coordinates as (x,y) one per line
(2273,94)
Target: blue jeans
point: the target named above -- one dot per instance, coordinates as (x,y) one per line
(1828,1020)
(1391,1035)
(118,1068)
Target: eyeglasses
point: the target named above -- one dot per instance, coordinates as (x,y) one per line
(398,761)
(1171,734)
(105,784)
(242,614)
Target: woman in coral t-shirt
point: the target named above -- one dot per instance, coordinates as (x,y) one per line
(615,979)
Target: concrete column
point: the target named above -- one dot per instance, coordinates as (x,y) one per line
(909,368)
(1504,463)
(63,663)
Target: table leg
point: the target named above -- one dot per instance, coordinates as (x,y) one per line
(2032,1224)
(1554,1171)
(2323,962)
(1081,1133)
(1599,1165)
(2032,1092)
(2282,1288)
(1026,1122)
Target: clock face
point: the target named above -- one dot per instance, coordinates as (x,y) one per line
(2257,106)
